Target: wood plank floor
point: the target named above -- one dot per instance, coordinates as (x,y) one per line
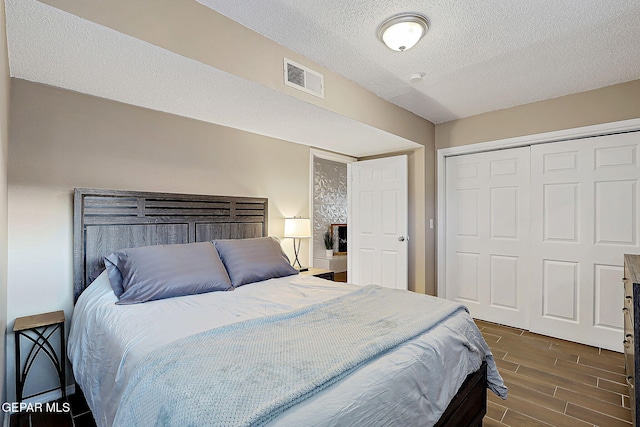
(554,382)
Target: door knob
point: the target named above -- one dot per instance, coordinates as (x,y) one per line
(401,239)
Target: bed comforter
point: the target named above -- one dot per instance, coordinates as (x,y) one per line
(405,372)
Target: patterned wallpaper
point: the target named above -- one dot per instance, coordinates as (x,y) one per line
(329,199)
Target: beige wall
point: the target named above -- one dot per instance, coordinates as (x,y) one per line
(4,142)
(422,257)
(605,105)
(172,24)
(196,31)
(430,213)
(61,139)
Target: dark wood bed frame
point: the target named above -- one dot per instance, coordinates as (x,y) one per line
(108,220)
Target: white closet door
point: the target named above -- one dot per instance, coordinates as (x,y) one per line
(584,205)
(487,234)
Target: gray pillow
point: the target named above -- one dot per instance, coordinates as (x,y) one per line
(150,273)
(253,260)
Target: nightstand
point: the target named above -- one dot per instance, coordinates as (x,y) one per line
(319,272)
(39,329)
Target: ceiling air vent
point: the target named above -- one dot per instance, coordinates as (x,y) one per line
(302,78)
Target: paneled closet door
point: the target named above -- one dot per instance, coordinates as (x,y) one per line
(487,229)
(584,216)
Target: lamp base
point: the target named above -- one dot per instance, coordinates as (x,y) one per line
(296,251)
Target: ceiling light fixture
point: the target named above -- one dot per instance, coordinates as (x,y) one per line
(402,32)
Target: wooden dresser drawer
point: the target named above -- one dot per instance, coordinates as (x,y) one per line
(628,304)
(631,310)
(632,398)
(628,354)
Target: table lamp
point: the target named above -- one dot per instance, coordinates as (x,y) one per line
(296,229)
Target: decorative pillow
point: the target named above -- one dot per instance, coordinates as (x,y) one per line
(253,260)
(150,273)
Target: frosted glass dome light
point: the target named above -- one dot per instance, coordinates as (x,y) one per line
(402,32)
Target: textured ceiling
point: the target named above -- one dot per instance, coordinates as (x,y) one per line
(47,45)
(478,56)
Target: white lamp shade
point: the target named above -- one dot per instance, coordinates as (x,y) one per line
(297,228)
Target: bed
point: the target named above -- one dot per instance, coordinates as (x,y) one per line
(167,361)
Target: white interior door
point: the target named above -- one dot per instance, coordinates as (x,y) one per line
(377,241)
(585,196)
(487,234)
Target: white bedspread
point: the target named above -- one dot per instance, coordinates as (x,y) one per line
(108,341)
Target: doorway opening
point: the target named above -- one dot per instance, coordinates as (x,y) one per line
(329,211)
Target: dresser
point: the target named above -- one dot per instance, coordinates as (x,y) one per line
(632,330)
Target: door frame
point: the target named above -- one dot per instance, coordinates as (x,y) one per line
(327,155)
(520,141)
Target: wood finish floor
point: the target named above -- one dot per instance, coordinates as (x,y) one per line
(554,382)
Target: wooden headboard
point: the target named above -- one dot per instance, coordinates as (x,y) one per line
(108,220)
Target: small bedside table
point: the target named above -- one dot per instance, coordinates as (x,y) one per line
(319,272)
(38,329)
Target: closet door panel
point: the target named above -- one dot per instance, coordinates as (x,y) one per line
(584,201)
(487,228)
